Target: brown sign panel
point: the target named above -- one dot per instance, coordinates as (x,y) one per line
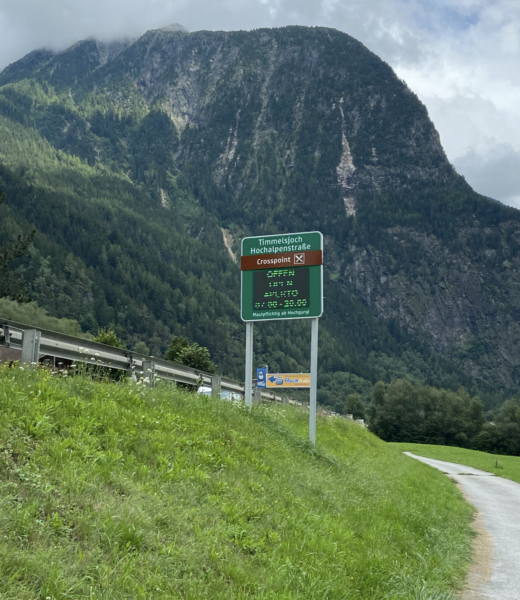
(309,258)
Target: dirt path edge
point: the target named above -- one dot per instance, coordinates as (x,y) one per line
(481,567)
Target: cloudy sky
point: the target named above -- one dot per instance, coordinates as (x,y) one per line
(461,57)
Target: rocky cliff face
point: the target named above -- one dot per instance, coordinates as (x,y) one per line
(462,309)
(261,90)
(299,129)
(264,89)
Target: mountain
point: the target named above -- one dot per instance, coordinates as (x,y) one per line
(142,163)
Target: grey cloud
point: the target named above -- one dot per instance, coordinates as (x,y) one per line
(29,24)
(385,26)
(471,121)
(495,174)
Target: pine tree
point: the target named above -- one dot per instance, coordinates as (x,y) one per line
(11,284)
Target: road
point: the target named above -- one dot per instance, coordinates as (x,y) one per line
(498,503)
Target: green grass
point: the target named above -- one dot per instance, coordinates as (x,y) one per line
(505,466)
(116,491)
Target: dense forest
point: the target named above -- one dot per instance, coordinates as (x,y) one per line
(140,166)
(401,412)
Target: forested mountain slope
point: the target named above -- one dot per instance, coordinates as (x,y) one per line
(143,163)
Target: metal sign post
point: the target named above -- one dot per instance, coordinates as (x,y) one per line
(31,341)
(249,365)
(314,381)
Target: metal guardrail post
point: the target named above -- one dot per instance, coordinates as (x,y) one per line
(257,396)
(7,335)
(31,347)
(216,382)
(149,372)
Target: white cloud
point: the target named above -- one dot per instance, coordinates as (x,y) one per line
(470,83)
(462,57)
(494,172)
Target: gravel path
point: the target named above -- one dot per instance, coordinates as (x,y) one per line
(498,503)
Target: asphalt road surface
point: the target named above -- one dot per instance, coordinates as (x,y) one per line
(498,502)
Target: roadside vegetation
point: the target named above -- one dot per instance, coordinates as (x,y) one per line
(30,313)
(114,490)
(504,466)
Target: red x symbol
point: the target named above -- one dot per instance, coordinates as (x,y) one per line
(299,259)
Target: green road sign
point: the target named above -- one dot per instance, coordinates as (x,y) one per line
(282,277)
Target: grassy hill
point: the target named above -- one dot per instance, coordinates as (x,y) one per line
(118,491)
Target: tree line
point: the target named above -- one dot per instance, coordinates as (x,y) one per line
(402,412)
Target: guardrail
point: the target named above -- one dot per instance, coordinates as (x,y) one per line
(36,344)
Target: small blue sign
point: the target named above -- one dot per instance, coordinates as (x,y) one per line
(261,377)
